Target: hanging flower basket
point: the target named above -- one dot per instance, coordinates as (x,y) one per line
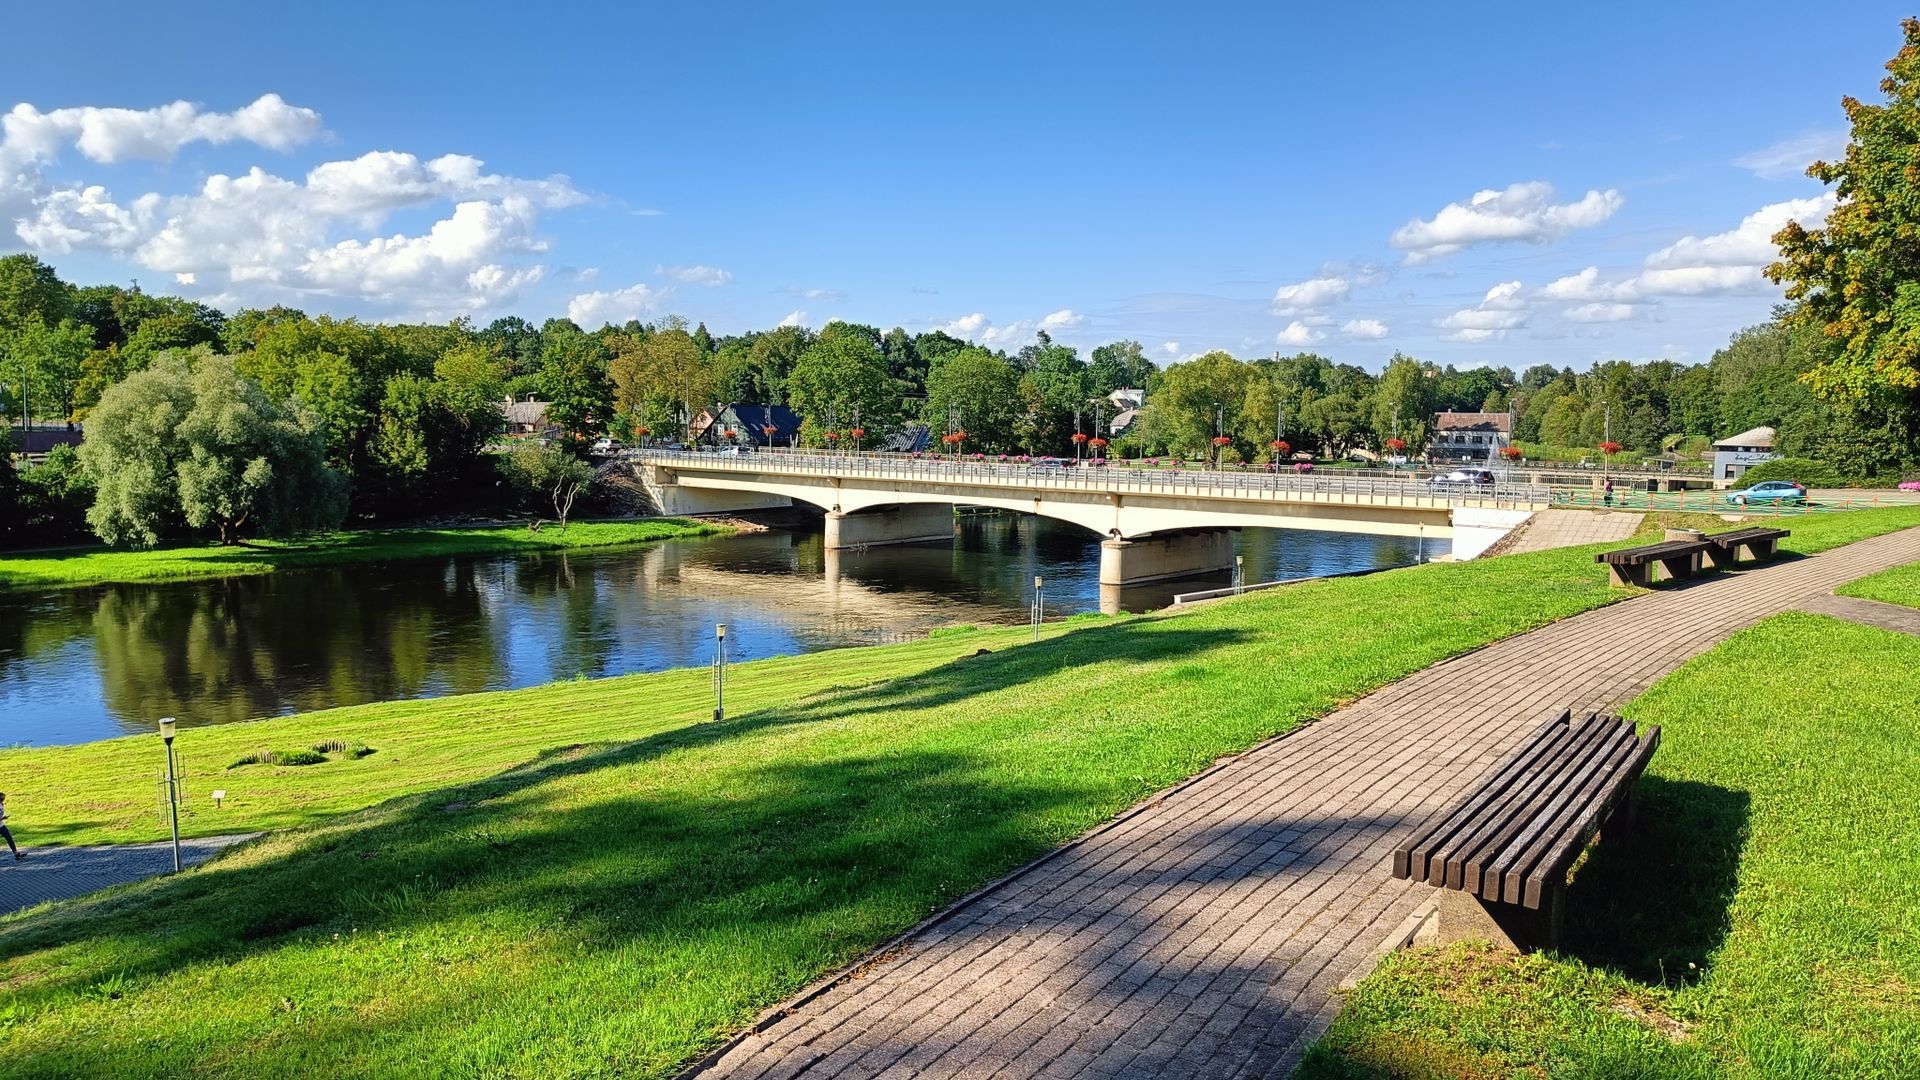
(1079,437)
(1611,448)
(1396,445)
(1511,453)
(768,430)
(858,433)
(1222,440)
(1279,447)
(642,432)
(728,433)
(1097,442)
(831,435)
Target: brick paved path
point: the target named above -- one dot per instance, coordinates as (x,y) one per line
(1204,933)
(1895,617)
(1570,528)
(62,873)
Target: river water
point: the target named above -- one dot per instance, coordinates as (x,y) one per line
(85,664)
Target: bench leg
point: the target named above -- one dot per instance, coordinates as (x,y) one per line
(1463,917)
(1720,558)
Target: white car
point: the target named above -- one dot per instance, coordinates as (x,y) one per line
(605,445)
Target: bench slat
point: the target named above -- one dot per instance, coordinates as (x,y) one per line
(1574,840)
(1494,831)
(1483,867)
(1522,783)
(1554,827)
(1410,859)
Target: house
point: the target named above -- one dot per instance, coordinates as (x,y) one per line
(748,421)
(525,417)
(1736,454)
(911,439)
(1470,436)
(1127,398)
(1122,421)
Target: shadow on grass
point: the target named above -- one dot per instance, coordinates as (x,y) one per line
(1653,902)
(759,849)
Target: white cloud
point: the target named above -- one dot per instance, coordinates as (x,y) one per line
(1748,244)
(107,136)
(1364,329)
(1586,285)
(794,318)
(1501,310)
(1521,213)
(1170,348)
(1601,311)
(595,309)
(1297,334)
(833,296)
(979,329)
(696,275)
(1311,295)
(1791,155)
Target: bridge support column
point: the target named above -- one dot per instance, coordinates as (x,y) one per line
(1169,555)
(917,523)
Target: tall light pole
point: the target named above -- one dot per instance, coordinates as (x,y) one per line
(719,671)
(1039,603)
(173,788)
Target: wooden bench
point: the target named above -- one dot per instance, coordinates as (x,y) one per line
(1675,559)
(1760,544)
(1509,843)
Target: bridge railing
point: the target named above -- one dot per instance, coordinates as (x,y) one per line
(1504,491)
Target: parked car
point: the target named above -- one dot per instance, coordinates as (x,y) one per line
(1048,463)
(1769,491)
(1463,478)
(604,445)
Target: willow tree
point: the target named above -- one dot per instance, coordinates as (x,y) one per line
(1857,276)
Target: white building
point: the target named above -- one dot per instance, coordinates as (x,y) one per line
(1470,436)
(1736,454)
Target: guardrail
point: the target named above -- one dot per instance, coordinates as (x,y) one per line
(1114,479)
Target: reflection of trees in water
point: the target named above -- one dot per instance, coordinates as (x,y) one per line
(583,644)
(247,647)
(34,626)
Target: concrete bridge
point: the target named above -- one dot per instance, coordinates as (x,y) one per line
(1157,523)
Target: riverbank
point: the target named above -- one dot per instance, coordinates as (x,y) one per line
(75,567)
(647,883)
(1758,922)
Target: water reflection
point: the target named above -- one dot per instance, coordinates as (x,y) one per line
(92,663)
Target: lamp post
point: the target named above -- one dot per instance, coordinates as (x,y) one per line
(719,671)
(1039,603)
(1239,574)
(173,788)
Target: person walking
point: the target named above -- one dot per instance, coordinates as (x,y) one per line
(1609,491)
(6,832)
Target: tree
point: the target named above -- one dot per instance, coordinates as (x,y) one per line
(842,372)
(984,388)
(573,376)
(48,362)
(1186,400)
(30,292)
(1404,399)
(549,474)
(1119,365)
(1857,277)
(660,378)
(191,440)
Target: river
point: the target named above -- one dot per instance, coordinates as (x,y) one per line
(85,664)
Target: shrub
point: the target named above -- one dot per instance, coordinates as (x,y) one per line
(355,750)
(1800,470)
(280,757)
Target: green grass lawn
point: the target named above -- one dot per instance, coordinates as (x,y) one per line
(100,566)
(1900,585)
(1761,923)
(578,880)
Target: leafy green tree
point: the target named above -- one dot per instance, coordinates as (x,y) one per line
(985,388)
(1191,394)
(191,440)
(31,293)
(549,475)
(1119,365)
(573,376)
(1054,388)
(843,371)
(904,363)
(1857,277)
(47,361)
(660,378)
(1404,397)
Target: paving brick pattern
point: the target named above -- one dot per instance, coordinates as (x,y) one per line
(1886,616)
(1551,529)
(1205,932)
(62,873)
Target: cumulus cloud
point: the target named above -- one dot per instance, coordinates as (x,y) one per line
(1170,348)
(1791,155)
(595,309)
(696,275)
(257,237)
(1297,334)
(1521,213)
(1364,329)
(1311,295)
(1501,310)
(794,318)
(1601,311)
(1750,244)
(832,296)
(979,329)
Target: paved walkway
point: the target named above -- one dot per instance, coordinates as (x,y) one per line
(1550,529)
(1896,617)
(62,873)
(1204,933)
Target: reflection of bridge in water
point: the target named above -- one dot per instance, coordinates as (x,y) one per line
(1155,524)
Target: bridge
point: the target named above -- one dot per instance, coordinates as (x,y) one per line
(1157,523)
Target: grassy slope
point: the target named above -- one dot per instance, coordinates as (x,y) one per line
(1900,585)
(615,907)
(1764,912)
(98,566)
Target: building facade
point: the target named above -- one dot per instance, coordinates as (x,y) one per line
(1470,436)
(1736,454)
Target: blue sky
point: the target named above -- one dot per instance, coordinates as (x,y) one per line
(1354,180)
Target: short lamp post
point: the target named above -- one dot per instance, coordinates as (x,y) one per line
(719,671)
(167,726)
(1239,574)
(1039,603)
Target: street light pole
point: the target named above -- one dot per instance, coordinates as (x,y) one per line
(173,788)
(719,671)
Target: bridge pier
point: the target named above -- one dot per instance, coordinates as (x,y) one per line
(915,523)
(1166,555)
